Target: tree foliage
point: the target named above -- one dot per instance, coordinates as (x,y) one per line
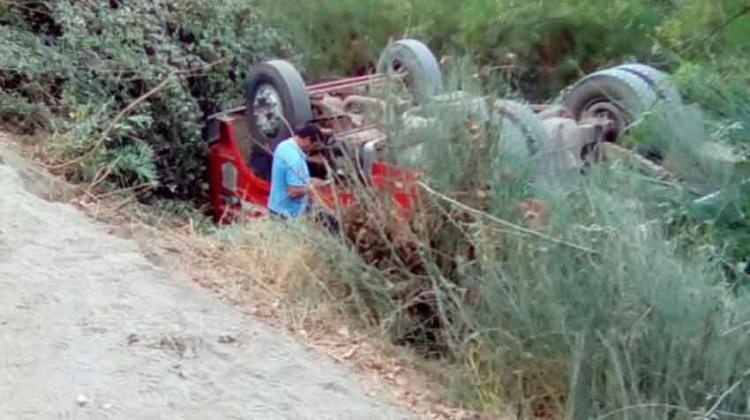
(86,61)
(549,43)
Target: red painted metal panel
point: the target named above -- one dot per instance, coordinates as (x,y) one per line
(231,199)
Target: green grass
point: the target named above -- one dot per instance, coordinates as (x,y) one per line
(625,306)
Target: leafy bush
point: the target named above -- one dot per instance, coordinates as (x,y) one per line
(91,60)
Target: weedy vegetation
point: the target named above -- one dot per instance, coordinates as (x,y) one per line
(622,294)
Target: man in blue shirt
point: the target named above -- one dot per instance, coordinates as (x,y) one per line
(290,178)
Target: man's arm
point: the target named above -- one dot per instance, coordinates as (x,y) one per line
(295,191)
(297,178)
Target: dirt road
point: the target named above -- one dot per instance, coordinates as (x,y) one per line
(90,329)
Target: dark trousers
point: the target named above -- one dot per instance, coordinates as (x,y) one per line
(278,216)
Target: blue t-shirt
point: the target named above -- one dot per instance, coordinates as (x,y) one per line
(289,168)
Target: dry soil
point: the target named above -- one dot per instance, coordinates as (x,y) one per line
(91,329)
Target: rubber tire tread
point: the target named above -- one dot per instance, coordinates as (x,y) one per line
(295,101)
(625,89)
(419,61)
(526,120)
(295,104)
(657,79)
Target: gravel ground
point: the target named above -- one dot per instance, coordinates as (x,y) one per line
(90,329)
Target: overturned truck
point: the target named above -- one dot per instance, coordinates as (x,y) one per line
(557,139)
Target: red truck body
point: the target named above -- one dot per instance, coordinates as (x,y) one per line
(236,191)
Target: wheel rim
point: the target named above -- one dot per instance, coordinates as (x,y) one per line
(404,80)
(267,110)
(611,115)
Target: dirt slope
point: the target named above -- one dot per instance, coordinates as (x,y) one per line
(90,329)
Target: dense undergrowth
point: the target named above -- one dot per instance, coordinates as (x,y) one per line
(620,298)
(631,302)
(126,84)
(615,296)
(541,46)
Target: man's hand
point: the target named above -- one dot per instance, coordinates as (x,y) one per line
(298,192)
(318,182)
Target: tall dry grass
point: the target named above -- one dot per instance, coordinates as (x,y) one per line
(604,300)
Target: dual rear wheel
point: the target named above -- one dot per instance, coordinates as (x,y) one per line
(618,96)
(613,98)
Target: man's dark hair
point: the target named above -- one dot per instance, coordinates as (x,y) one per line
(309,130)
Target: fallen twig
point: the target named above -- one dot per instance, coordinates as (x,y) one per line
(103,136)
(711,411)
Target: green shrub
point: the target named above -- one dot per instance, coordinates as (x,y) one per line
(77,58)
(624,306)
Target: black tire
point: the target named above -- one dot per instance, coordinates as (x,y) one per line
(526,149)
(418,61)
(294,104)
(519,124)
(627,95)
(657,79)
(520,138)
